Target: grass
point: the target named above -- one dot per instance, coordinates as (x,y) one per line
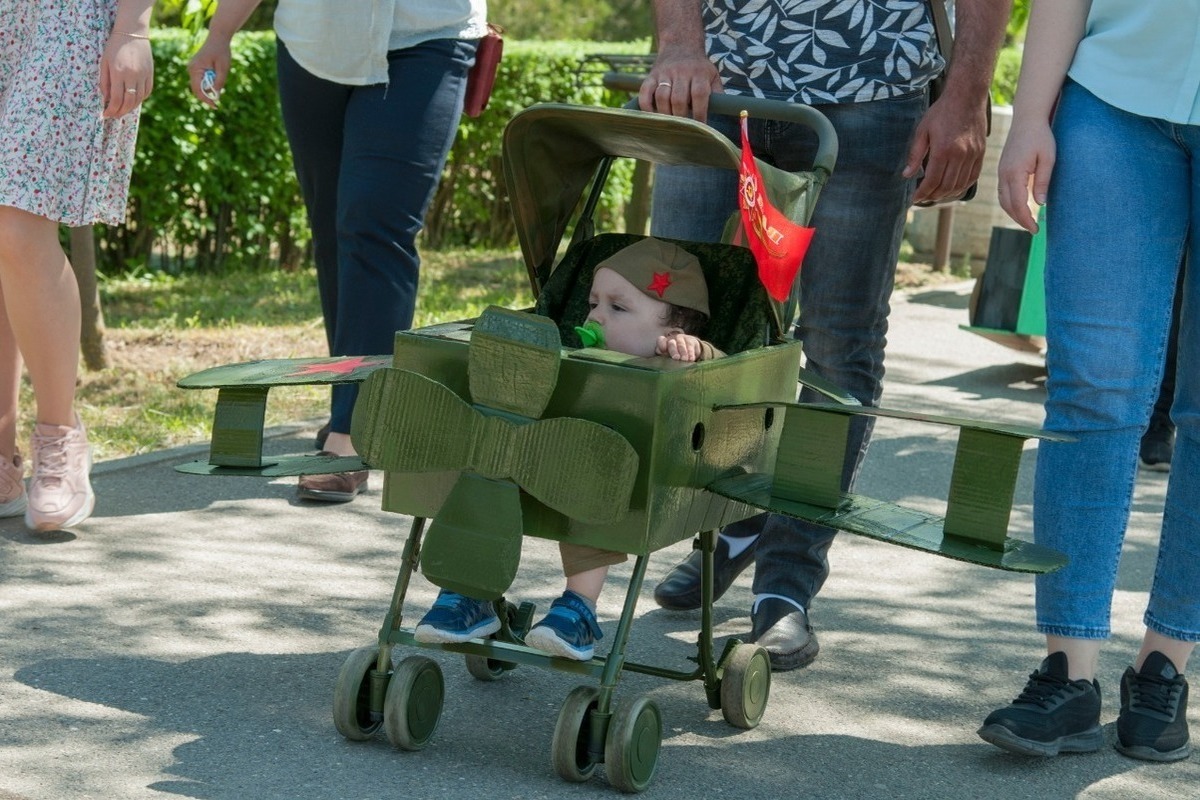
(162,327)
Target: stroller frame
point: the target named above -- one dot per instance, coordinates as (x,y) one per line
(592,727)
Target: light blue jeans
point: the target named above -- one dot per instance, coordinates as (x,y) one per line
(1123,208)
(846,283)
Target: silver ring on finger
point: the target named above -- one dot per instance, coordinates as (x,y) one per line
(662,84)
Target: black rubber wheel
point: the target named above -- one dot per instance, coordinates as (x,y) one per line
(413,705)
(483,668)
(352,696)
(569,748)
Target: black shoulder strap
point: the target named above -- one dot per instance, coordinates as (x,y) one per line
(941,28)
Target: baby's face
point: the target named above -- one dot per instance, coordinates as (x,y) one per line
(632,320)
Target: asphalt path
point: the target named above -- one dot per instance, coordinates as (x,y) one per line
(184,642)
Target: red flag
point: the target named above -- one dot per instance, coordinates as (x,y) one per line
(778,243)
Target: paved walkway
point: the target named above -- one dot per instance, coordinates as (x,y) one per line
(185,642)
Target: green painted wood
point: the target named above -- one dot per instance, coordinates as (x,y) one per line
(473,546)
(286,372)
(1025,343)
(662,408)
(406,422)
(828,388)
(513,361)
(278,467)
(237,431)
(1021,431)
(894,524)
(812,449)
(982,485)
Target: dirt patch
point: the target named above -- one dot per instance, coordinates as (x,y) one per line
(181,352)
(916,274)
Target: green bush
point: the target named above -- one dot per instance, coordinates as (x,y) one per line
(210,186)
(1004,81)
(471,204)
(215,187)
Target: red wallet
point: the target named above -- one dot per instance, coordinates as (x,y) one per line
(482,76)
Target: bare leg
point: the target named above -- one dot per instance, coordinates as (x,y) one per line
(41,299)
(10,385)
(1082,655)
(588,583)
(340,444)
(1173,649)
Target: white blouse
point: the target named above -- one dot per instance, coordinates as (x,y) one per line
(347,41)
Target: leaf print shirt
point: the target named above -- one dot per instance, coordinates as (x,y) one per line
(822,51)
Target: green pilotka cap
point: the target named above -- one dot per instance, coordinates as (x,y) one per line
(663,271)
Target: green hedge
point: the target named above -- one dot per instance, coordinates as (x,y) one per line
(471,205)
(217,187)
(1004,81)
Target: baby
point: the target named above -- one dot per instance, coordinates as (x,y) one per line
(649,299)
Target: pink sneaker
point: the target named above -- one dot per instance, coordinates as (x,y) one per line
(60,494)
(12,486)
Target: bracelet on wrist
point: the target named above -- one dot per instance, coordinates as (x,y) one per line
(134,35)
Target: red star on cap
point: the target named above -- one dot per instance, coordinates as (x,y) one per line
(660,284)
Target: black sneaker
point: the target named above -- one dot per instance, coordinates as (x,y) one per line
(1157,447)
(1153,721)
(1052,715)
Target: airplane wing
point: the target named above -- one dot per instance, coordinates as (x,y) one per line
(237,431)
(805,484)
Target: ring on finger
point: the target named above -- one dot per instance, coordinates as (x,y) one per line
(663,83)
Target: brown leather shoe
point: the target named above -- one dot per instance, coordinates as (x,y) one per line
(334,487)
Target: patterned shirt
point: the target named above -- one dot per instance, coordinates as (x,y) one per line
(822,51)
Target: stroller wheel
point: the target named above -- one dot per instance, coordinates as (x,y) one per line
(483,668)
(413,705)
(352,696)
(570,754)
(746,686)
(631,747)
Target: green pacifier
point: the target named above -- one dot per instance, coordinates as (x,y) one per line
(591,334)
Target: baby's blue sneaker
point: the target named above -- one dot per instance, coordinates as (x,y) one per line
(568,630)
(456,618)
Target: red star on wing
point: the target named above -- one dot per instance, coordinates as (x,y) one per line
(343,367)
(660,284)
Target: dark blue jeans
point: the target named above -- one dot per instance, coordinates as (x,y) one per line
(369,159)
(845,284)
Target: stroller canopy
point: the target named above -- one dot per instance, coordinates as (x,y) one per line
(552,152)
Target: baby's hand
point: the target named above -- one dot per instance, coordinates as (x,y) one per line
(679,346)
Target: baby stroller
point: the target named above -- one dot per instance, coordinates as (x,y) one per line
(477,425)
(465,400)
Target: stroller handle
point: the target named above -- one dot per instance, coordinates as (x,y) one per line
(732,105)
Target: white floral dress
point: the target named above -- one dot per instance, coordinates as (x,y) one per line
(58,158)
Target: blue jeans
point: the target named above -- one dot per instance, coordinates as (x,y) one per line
(369,159)
(845,283)
(1123,208)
